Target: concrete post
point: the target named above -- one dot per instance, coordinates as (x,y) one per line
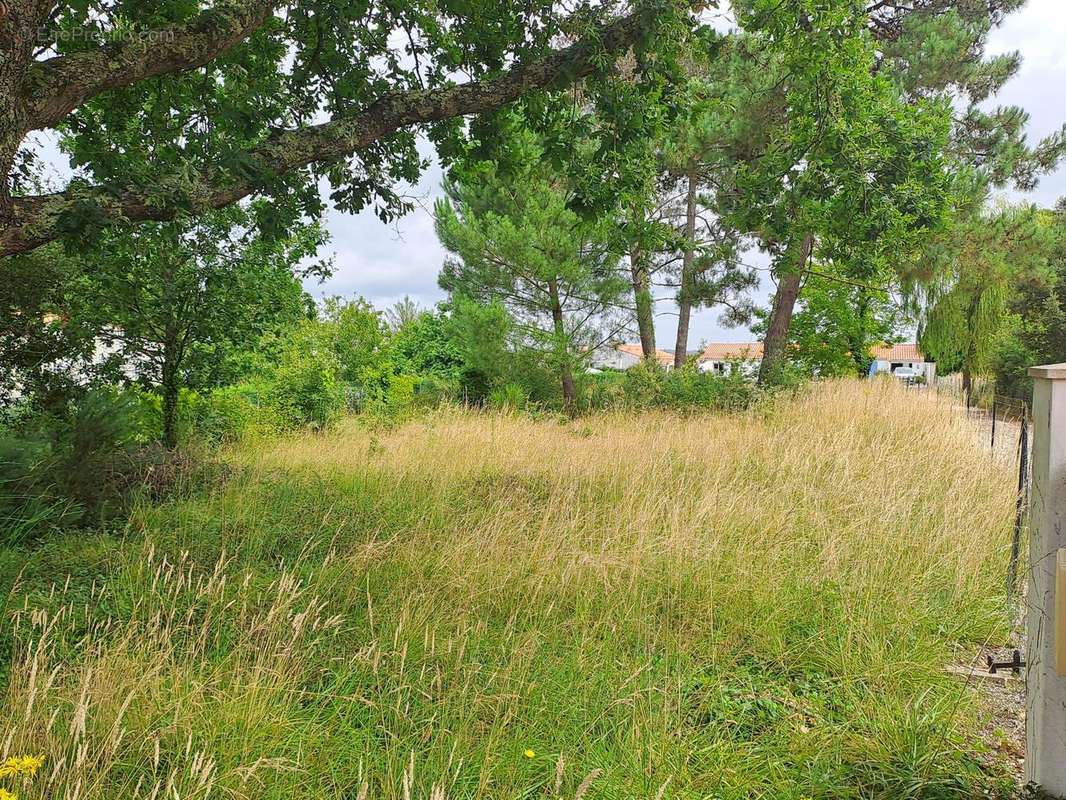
(1045,689)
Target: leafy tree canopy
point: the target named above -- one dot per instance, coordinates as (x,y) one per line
(172,107)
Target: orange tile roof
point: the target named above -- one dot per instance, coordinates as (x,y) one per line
(898,352)
(731,351)
(635,350)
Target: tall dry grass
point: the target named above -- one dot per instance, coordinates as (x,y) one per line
(653,606)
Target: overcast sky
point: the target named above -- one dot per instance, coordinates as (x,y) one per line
(384,262)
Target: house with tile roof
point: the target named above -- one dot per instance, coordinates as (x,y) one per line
(722,357)
(888,358)
(624,355)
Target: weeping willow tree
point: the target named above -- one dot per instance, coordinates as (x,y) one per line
(962,298)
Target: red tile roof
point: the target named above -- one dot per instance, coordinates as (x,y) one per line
(898,352)
(731,351)
(635,350)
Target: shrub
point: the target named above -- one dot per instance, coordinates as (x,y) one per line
(431,391)
(395,400)
(508,397)
(237,412)
(604,390)
(427,346)
(304,387)
(356,334)
(81,467)
(96,450)
(650,386)
(29,501)
(642,385)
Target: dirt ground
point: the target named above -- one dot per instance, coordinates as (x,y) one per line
(1003,695)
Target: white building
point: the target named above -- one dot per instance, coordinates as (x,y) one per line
(721,357)
(891,357)
(624,356)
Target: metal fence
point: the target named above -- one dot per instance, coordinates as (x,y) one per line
(1005,423)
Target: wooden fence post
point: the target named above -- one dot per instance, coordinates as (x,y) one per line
(1045,688)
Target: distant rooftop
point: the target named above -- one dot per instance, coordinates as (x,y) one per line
(731,351)
(898,352)
(664,358)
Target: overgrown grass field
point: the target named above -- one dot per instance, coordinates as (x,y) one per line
(490,606)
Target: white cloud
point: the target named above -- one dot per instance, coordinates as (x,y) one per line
(1038,31)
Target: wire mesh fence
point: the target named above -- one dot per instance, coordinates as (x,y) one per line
(1004,424)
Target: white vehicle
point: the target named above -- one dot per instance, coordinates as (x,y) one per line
(908,374)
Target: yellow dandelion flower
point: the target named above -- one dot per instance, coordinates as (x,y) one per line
(6,795)
(527,754)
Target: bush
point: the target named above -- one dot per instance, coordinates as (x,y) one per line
(508,397)
(81,467)
(642,385)
(304,387)
(96,450)
(650,386)
(427,346)
(431,391)
(235,413)
(29,500)
(604,390)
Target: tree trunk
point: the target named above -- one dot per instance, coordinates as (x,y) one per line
(638,269)
(857,341)
(170,391)
(788,289)
(562,349)
(684,295)
(19,21)
(969,358)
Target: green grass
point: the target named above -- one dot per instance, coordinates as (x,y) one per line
(657,606)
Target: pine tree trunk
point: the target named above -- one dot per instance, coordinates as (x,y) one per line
(562,350)
(684,296)
(638,269)
(969,359)
(788,290)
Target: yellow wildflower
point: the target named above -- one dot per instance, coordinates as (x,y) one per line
(20,766)
(6,795)
(527,754)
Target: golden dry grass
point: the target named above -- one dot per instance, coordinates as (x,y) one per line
(655,605)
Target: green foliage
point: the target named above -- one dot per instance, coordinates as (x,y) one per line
(508,397)
(965,306)
(319,58)
(648,385)
(346,359)
(426,345)
(520,245)
(175,306)
(38,337)
(1035,329)
(356,334)
(837,323)
(80,466)
(238,412)
(860,168)
(304,384)
(30,503)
